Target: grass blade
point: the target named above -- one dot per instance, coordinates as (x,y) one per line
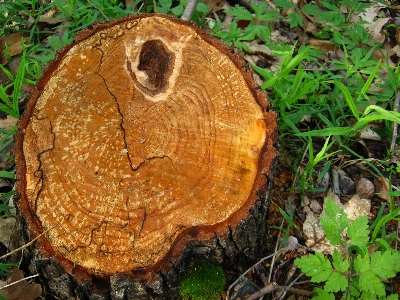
(327,131)
(347,97)
(6,174)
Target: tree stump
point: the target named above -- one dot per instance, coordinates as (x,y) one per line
(145,144)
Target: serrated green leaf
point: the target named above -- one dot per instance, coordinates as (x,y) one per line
(269,16)
(284,4)
(240,12)
(362,263)
(336,282)
(258,8)
(332,230)
(393,297)
(335,222)
(370,282)
(202,8)
(339,263)
(385,265)
(367,296)
(353,288)
(311,9)
(295,20)
(317,266)
(323,295)
(358,231)
(330,7)
(178,10)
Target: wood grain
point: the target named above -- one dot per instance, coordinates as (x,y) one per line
(141,136)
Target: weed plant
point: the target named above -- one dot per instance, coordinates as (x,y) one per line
(359,272)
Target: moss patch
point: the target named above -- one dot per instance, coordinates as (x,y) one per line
(204,282)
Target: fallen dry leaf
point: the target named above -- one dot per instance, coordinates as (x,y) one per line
(8,123)
(215,5)
(382,188)
(357,207)
(14,45)
(50,17)
(322,45)
(6,227)
(374,24)
(369,134)
(22,290)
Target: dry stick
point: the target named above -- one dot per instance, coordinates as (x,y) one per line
(189,10)
(297,291)
(395,125)
(276,249)
(286,289)
(29,243)
(302,158)
(265,290)
(18,281)
(256,265)
(273,287)
(154,5)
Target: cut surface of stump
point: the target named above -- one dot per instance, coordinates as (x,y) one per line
(143,135)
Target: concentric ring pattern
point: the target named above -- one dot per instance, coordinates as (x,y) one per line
(143,131)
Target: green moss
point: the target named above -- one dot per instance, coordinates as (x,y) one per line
(204,282)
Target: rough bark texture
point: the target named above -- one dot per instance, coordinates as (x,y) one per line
(146,144)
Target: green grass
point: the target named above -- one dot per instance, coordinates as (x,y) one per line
(331,100)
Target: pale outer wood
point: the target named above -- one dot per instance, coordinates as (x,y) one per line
(123,172)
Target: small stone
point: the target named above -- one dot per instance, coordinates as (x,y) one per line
(365,188)
(316,207)
(324,182)
(244,288)
(346,184)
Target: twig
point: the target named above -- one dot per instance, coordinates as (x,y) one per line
(316,241)
(154,5)
(251,268)
(395,125)
(265,290)
(335,182)
(273,287)
(276,249)
(298,291)
(301,161)
(189,10)
(29,243)
(289,246)
(18,281)
(287,288)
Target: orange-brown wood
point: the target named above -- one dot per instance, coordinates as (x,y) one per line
(144,134)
